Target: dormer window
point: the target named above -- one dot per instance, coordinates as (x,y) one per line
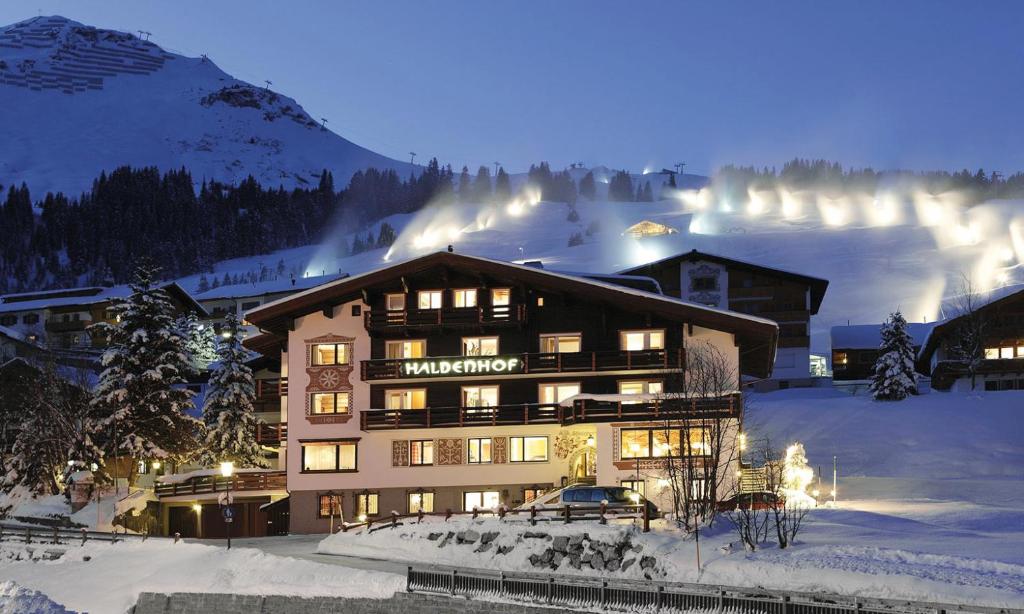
(704,284)
(429,299)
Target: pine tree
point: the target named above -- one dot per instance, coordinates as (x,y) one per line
(140,393)
(386,237)
(228,412)
(647,196)
(204,283)
(465,186)
(502,186)
(200,340)
(481,188)
(894,378)
(621,187)
(588,187)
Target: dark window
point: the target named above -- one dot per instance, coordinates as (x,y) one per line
(31,318)
(357,310)
(991,385)
(704,283)
(8,320)
(250,305)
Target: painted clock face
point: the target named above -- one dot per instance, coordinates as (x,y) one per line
(329,379)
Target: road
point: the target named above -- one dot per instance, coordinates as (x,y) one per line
(304,547)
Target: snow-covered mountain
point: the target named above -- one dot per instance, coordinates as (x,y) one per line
(78,100)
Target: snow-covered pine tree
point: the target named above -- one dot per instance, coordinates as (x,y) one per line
(140,393)
(228,412)
(894,378)
(200,340)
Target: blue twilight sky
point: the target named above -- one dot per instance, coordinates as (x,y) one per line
(887,83)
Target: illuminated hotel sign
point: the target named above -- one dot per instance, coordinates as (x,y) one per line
(468,365)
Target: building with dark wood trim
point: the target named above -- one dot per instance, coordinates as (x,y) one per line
(450,381)
(855,351)
(789,299)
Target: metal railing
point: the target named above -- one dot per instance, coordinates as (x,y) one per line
(581,411)
(564,514)
(449,316)
(206,484)
(549,362)
(634,595)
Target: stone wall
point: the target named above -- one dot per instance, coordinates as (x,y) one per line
(407,603)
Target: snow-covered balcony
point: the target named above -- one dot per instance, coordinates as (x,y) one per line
(210,482)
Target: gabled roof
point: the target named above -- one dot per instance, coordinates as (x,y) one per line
(869,336)
(73,297)
(947,326)
(816,284)
(261,288)
(756,336)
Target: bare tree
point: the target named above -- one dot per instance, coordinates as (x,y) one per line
(967,342)
(785,513)
(698,434)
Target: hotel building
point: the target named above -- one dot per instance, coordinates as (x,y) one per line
(452,382)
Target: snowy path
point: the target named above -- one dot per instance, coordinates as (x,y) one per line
(304,547)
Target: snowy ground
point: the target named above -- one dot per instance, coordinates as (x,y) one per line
(930,493)
(101,577)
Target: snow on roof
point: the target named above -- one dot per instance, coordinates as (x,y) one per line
(530,269)
(178,478)
(869,336)
(17,336)
(60,298)
(647,228)
(271,286)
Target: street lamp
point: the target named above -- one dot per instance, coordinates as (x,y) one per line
(227,469)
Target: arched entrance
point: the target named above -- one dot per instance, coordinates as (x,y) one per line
(583,465)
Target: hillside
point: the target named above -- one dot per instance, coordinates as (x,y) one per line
(79,100)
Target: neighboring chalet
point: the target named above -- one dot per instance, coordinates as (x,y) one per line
(59,319)
(240,298)
(452,382)
(647,228)
(855,351)
(789,299)
(1000,323)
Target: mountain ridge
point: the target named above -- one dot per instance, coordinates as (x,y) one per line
(81,100)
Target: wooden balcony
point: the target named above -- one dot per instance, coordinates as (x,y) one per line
(582,411)
(465,317)
(210,484)
(549,362)
(271,434)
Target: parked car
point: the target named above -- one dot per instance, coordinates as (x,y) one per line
(617,498)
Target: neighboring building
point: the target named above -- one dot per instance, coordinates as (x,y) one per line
(1002,364)
(647,228)
(59,319)
(240,298)
(15,344)
(789,299)
(452,382)
(855,351)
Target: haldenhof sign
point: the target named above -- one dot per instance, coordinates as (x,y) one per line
(462,365)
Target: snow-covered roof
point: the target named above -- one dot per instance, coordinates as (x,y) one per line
(526,268)
(869,336)
(29,301)
(262,288)
(10,333)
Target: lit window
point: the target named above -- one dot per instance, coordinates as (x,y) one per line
(635,443)
(640,387)
(561,343)
(1020,351)
(415,398)
(329,456)
(479,396)
(479,346)
(421,452)
(396,350)
(698,489)
(480,500)
(550,394)
(839,359)
(665,443)
(332,354)
(395,302)
(698,442)
(500,297)
(637,486)
(330,505)
(479,450)
(429,299)
(540,301)
(421,501)
(330,403)
(464,298)
(367,504)
(639,340)
(1006,352)
(527,449)
(991,353)
(531,494)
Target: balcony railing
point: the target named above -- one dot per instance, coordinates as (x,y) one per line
(551,362)
(60,326)
(208,484)
(271,434)
(452,316)
(579,412)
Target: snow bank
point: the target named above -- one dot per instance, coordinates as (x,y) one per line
(15,599)
(108,578)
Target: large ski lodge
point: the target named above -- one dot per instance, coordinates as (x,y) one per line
(453,382)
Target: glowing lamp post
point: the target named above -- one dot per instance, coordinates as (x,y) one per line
(227,469)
